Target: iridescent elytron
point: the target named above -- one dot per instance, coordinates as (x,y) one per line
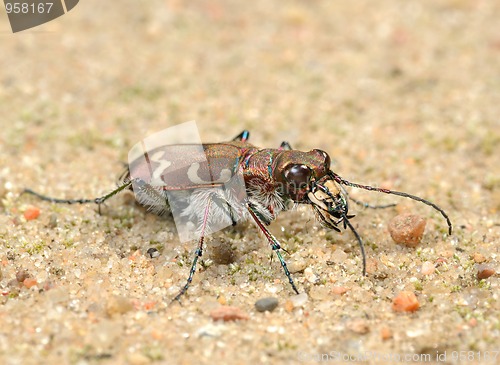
(274,180)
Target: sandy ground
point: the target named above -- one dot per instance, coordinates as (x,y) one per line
(404,95)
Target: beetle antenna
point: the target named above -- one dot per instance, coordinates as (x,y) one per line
(343,181)
(366,205)
(360,242)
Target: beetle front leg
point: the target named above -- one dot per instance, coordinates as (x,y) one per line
(274,244)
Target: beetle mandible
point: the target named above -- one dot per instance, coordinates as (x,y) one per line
(274,180)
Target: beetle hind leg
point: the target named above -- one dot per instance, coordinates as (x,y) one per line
(98,201)
(198,253)
(192,271)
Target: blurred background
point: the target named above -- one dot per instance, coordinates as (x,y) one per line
(404,95)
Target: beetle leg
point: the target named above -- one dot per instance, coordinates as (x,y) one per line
(285,146)
(243,136)
(198,253)
(97,201)
(273,242)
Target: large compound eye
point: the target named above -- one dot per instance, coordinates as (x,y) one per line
(298,175)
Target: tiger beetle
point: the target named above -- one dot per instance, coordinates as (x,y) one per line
(274,180)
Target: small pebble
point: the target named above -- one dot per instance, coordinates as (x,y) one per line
(22,275)
(210,330)
(428,268)
(405,301)
(297,266)
(385,333)
(266,304)
(227,313)
(31,213)
(371,266)
(29,282)
(339,256)
(484,271)
(222,299)
(53,220)
(478,258)
(153,252)
(339,290)
(310,276)
(298,300)
(407,229)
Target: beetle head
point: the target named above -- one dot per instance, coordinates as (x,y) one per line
(300,171)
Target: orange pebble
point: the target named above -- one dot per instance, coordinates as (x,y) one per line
(339,290)
(405,301)
(29,282)
(407,229)
(484,271)
(31,213)
(385,333)
(226,313)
